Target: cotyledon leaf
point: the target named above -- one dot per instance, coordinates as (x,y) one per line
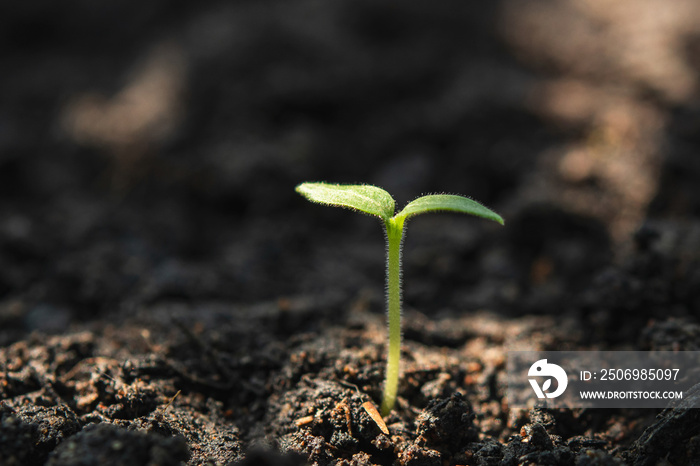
(365,198)
(448,202)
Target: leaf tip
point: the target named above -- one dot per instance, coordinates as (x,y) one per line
(307,189)
(301,188)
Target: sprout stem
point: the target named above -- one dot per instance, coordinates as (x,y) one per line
(394,235)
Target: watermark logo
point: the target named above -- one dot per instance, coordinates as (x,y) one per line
(603,379)
(542,368)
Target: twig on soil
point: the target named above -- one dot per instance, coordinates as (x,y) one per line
(171,401)
(159,415)
(79,365)
(343,405)
(304,421)
(376,417)
(352,385)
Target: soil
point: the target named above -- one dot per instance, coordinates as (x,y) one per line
(166,298)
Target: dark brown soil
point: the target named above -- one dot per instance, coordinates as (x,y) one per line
(166,298)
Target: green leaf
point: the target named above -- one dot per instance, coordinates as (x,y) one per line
(365,198)
(448,202)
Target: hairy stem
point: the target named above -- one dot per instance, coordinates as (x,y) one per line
(394,234)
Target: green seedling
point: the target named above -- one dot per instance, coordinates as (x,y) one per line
(375,201)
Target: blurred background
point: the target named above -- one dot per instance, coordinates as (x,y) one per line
(149,152)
